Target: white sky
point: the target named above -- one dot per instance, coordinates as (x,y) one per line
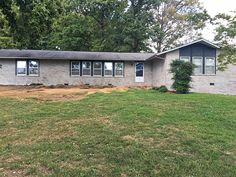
(214,7)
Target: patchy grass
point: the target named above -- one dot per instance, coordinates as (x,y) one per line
(134,133)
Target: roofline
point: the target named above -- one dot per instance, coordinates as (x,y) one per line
(155,56)
(185,45)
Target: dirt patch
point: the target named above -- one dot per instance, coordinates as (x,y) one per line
(42,93)
(129,138)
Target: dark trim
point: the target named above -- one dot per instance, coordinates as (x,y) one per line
(38,67)
(191,54)
(203,61)
(81,67)
(123,68)
(203,55)
(103,67)
(27,67)
(113,69)
(70,67)
(91,73)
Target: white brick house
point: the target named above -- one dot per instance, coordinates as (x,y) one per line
(25,67)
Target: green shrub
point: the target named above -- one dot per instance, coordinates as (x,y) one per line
(182,72)
(161,89)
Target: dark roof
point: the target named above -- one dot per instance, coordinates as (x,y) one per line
(107,56)
(72,55)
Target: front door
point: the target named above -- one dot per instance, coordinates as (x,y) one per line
(139,72)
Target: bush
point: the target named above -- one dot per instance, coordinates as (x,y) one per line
(162,89)
(182,72)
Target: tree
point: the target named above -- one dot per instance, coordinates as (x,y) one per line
(136,23)
(103,17)
(6,41)
(175,19)
(71,32)
(31,21)
(182,72)
(226,36)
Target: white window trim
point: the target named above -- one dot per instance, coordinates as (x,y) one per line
(28,68)
(17,68)
(206,66)
(199,74)
(119,69)
(108,69)
(71,73)
(189,58)
(97,69)
(86,68)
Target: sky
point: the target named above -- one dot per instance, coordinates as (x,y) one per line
(214,7)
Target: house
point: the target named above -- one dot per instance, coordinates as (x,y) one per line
(25,67)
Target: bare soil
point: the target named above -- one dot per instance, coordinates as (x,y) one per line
(55,93)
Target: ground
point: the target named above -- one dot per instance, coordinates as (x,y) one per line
(115,132)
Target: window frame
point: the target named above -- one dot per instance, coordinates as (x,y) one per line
(119,70)
(21,68)
(136,69)
(71,72)
(205,58)
(202,66)
(104,70)
(28,68)
(189,58)
(86,68)
(94,75)
(27,61)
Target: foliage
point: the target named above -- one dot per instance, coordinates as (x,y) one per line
(182,72)
(134,133)
(71,32)
(31,21)
(6,41)
(162,89)
(136,23)
(175,19)
(226,36)
(101,25)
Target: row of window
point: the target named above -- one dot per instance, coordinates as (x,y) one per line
(199,62)
(97,68)
(27,67)
(78,68)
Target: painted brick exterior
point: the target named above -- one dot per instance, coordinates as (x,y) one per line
(156,73)
(54,72)
(224,82)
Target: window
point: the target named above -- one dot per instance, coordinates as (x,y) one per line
(108,69)
(185,58)
(27,67)
(139,69)
(198,62)
(75,68)
(210,65)
(33,68)
(86,68)
(119,69)
(21,68)
(97,68)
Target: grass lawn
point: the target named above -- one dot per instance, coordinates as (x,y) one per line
(134,133)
